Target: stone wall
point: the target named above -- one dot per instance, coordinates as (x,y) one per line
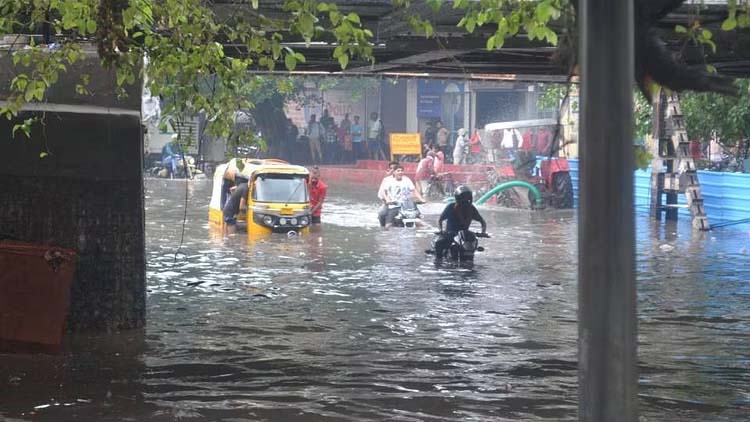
(86,194)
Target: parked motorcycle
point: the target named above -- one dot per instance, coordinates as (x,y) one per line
(465,243)
(160,170)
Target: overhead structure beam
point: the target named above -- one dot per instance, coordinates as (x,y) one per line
(607,330)
(417,59)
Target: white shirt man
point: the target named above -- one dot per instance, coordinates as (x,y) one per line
(397,189)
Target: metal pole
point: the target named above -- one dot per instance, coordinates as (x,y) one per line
(606,290)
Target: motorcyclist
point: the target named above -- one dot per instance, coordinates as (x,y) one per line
(397,190)
(171,154)
(458,216)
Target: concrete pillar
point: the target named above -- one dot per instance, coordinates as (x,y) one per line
(87,194)
(412,124)
(608,379)
(468,123)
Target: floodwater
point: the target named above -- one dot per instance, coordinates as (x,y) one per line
(352,323)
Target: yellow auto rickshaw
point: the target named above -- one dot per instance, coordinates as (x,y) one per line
(278,200)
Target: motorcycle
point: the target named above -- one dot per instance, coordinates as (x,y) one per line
(465,243)
(160,170)
(408,215)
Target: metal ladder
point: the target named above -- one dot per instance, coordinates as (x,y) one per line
(673,170)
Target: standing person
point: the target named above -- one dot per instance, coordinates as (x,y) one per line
(374,136)
(544,142)
(331,144)
(527,143)
(315,132)
(291,133)
(425,173)
(439,158)
(495,147)
(459,149)
(430,134)
(475,147)
(345,137)
(357,141)
(398,189)
(442,136)
(326,120)
(318,191)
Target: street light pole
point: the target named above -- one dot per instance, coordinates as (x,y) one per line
(606,260)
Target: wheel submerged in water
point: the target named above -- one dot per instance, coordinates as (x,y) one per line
(563,188)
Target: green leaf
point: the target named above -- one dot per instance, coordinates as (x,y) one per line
(729,24)
(471,23)
(707,34)
(43,154)
(711,68)
(300,57)
(551,37)
(353,17)
(680,29)
(344,60)
(290,62)
(544,11)
(307,24)
(91,26)
(254,3)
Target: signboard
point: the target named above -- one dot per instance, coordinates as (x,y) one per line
(428,99)
(405,144)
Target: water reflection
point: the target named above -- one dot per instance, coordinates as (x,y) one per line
(355,323)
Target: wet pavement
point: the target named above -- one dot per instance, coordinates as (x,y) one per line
(352,323)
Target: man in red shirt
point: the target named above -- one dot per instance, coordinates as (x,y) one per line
(318,191)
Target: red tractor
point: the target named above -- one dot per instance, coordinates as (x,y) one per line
(522,148)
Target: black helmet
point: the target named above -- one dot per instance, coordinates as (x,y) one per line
(463,194)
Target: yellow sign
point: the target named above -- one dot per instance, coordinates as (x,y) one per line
(405,144)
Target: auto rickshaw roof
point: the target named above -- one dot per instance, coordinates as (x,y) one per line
(518,124)
(257,166)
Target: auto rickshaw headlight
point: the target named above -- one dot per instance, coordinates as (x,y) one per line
(268,220)
(293,221)
(282,221)
(304,221)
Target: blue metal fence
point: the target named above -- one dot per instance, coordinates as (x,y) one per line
(726,195)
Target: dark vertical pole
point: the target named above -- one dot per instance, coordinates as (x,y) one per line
(606,290)
(657,164)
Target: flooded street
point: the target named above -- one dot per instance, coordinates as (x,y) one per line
(352,323)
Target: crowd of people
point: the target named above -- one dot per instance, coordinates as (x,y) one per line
(486,148)
(326,141)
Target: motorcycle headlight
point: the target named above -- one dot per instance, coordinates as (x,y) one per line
(282,221)
(304,221)
(293,221)
(268,220)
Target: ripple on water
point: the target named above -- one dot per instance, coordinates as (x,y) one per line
(353,323)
